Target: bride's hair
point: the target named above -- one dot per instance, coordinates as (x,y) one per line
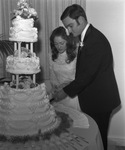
(71,44)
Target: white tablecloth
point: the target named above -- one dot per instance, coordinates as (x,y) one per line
(89,131)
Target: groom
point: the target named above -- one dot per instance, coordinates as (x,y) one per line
(95,82)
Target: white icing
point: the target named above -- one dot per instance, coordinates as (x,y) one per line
(18,65)
(25,111)
(23,30)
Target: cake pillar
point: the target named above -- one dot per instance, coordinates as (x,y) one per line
(13,77)
(15,46)
(31,47)
(27,46)
(17,81)
(34,78)
(19,49)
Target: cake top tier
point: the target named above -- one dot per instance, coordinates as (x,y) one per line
(23,29)
(24,10)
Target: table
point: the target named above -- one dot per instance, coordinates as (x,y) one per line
(84,129)
(90,134)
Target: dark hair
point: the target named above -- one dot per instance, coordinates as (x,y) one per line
(71,44)
(74,11)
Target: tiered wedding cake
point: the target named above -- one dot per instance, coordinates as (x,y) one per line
(24,105)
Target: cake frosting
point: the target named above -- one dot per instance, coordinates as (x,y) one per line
(23,30)
(26,63)
(25,111)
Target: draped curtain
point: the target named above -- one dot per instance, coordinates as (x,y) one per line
(49,12)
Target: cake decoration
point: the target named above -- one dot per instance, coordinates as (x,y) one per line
(24,10)
(24,53)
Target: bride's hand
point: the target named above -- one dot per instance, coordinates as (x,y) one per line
(63,85)
(59,95)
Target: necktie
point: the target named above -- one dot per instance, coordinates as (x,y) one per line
(78,60)
(78,55)
(79,51)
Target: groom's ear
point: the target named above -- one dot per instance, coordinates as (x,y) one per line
(81,20)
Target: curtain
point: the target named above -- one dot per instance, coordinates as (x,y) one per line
(49,12)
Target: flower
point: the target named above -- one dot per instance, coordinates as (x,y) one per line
(24,53)
(24,10)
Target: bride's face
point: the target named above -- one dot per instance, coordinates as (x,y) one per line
(60,44)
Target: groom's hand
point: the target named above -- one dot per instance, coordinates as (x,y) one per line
(59,95)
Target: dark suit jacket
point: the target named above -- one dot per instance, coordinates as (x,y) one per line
(95,82)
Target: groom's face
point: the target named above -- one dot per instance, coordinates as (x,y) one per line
(74,27)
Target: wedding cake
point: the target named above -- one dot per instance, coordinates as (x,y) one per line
(24,105)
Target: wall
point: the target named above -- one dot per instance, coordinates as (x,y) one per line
(108,17)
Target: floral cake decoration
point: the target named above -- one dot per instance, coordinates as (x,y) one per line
(24,10)
(24,53)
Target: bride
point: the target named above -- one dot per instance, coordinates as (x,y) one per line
(62,62)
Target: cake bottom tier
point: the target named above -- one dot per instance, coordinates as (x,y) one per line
(26,112)
(61,125)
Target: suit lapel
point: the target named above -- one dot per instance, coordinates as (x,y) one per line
(87,33)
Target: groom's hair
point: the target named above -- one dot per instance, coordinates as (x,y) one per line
(74,11)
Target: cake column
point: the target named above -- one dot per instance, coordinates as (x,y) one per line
(19,49)
(15,49)
(34,78)
(19,55)
(15,46)
(13,77)
(17,80)
(27,46)
(31,50)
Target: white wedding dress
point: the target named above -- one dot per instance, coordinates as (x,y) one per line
(62,74)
